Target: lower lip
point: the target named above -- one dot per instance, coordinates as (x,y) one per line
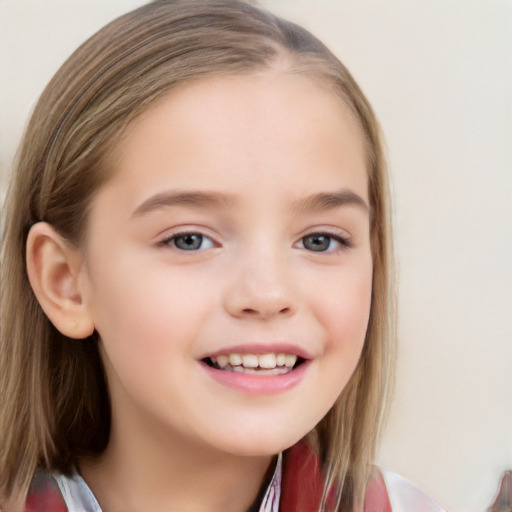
(254,384)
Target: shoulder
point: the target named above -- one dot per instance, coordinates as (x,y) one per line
(55,492)
(44,495)
(302,483)
(405,496)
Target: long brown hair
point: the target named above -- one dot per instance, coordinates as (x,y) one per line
(55,404)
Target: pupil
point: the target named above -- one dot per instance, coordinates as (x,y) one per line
(189,242)
(317,242)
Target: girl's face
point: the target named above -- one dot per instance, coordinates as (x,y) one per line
(228,267)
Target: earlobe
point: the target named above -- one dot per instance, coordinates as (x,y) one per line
(54,268)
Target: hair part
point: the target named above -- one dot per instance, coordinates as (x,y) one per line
(47,419)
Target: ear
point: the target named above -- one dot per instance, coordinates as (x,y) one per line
(56,273)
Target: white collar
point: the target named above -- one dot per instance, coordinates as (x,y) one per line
(79,497)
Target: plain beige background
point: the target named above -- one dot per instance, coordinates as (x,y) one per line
(439,74)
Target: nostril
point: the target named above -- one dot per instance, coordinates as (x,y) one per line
(251,302)
(266,313)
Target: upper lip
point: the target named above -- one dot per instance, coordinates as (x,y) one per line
(262,348)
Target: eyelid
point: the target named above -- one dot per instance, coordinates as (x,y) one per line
(343,238)
(173,234)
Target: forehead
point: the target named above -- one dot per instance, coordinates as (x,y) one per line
(265,127)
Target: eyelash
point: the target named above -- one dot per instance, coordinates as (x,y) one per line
(171,240)
(343,241)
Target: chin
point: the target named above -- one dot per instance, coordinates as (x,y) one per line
(260,445)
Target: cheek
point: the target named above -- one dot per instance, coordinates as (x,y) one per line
(146,310)
(347,307)
(344,312)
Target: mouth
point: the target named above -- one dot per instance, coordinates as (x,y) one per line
(257,364)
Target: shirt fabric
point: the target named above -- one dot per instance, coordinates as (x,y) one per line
(295,486)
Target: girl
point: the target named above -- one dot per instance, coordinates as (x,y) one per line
(196,288)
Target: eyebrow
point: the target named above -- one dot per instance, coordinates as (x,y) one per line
(205,199)
(330,200)
(194,199)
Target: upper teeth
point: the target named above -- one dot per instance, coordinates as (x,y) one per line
(267,361)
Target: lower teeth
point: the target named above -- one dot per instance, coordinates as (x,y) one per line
(260,371)
(279,370)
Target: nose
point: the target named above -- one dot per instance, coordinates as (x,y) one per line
(261,288)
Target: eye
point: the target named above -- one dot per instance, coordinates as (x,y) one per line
(189,242)
(324,242)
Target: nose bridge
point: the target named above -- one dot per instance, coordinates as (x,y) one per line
(261,284)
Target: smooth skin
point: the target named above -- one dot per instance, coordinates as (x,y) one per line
(236,215)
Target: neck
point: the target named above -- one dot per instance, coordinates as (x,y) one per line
(146,469)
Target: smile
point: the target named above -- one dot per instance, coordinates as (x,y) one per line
(259,369)
(262,364)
